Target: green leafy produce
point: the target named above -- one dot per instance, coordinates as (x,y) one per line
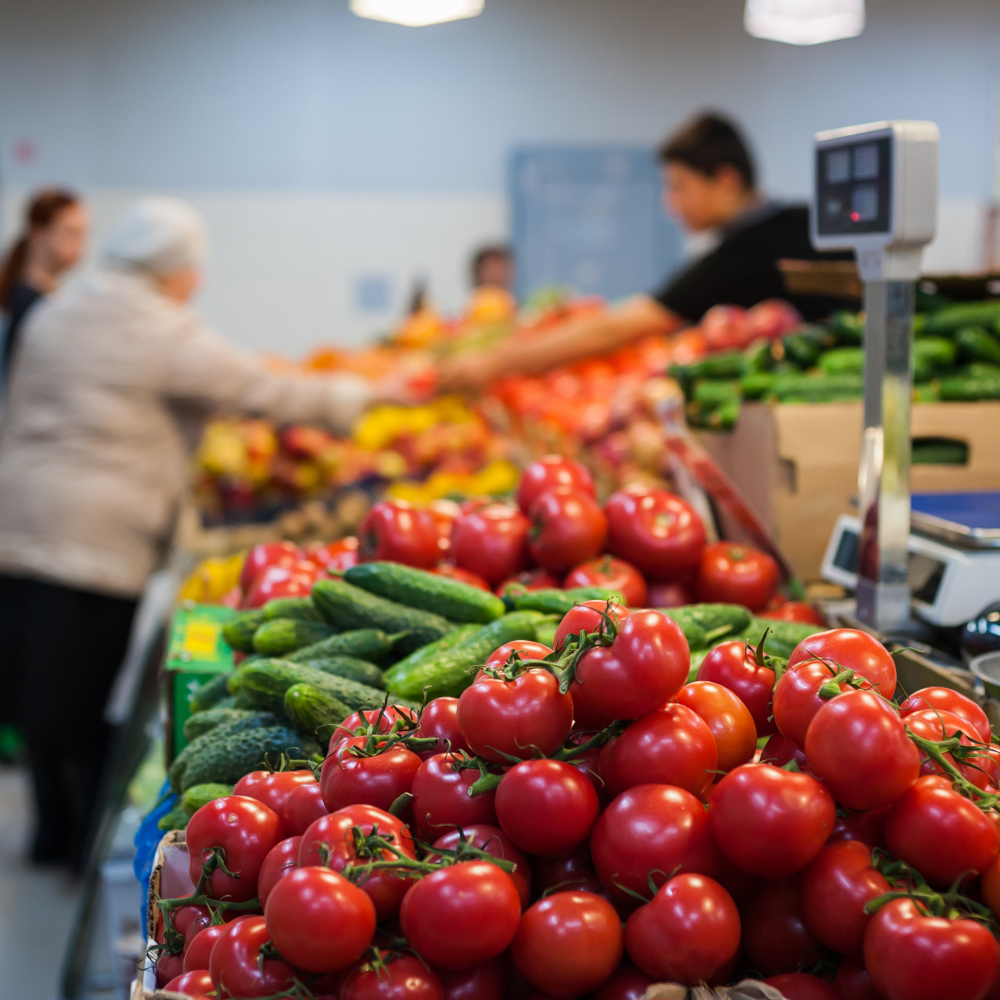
(417,588)
(285,635)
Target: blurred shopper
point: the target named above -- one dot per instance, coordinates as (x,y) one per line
(113,380)
(493,265)
(710,186)
(51,242)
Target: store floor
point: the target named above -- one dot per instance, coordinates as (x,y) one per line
(37,906)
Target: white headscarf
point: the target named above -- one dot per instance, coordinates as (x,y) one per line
(158,235)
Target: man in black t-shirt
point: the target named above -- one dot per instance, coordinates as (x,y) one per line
(710,186)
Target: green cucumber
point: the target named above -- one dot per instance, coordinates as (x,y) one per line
(693,632)
(347,607)
(937,353)
(452,671)
(843,360)
(254,720)
(967,390)
(417,588)
(406,666)
(199,795)
(717,620)
(783,637)
(267,681)
(300,608)
(975,344)
(370,644)
(350,667)
(848,328)
(285,635)
(950,319)
(210,693)
(203,722)
(176,819)
(314,711)
(238,632)
(545,631)
(556,602)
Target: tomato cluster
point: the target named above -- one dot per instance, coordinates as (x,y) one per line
(585,819)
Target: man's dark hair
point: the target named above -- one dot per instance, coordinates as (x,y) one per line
(483,254)
(708,142)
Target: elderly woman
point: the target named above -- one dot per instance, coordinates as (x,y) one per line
(93,459)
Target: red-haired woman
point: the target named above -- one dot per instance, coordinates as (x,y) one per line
(51,242)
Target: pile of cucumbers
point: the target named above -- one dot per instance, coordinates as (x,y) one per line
(956,357)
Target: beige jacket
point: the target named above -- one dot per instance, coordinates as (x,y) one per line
(95,434)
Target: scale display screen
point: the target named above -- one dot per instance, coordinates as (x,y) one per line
(854,187)
(924,575)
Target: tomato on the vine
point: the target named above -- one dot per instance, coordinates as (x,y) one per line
(350,775)
(382,719)
(568,943)
(441,799)
(275,789)
(481,982)
(398,977)
(302,807)
(440,720)
(612,574)
(689,929)
(263,555)
(796,611)
(318,920)
(491,541)
(397,531)
(548,473)
(494,841)
(770,822)
(729,720)
(866,827)
(198,951)
(567,527)
(797,697)
(279,861)
(500,719)
(780,750)
(947,700)
(737,574)
(590,616)
(835,888)
(335,556)
(857,744)
(195,983)
(526,649)
(651,830)
(546,807)
(246,830)
(937,724)
(850,649)
(461,915)
(237,967)
(775,935)
(572,871)
(732,664)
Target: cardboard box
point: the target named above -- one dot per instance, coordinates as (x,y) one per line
(797,464)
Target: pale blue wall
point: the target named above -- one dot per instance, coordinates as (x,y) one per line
(299,94)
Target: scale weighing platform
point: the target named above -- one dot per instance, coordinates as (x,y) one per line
(953,564)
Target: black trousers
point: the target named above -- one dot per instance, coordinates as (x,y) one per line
(60,649)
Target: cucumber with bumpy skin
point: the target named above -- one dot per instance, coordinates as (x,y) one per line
(239,631)
(351,668)
(406,666)
(255,720)
(557,602)
(314,711)
(267,681)
(204,722)
(300,608)
(199,795)
(176,819)
(345,606)
(285,635)
(717,620)
(416,588)
(371,644)
(210,693)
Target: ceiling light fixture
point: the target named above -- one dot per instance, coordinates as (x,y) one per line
(804,22)
(417,13)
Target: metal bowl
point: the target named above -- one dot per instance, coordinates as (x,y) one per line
(987,669)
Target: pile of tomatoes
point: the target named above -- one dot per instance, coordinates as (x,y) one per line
(583,820)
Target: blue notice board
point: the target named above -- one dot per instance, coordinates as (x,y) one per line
(590,218)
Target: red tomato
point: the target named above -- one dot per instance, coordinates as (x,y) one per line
(526,649)
(725,328)
(802,986)
(567,527)
(335,833)
(775,936)
(385,718)
(236,965)
(399,532)
(732,665)
(502,719)
(530,579)
(398,977)
(546,807)
(651,830)
(627,983)
(461,915)
(188,920)
(462,575)
(335,556)
(772,318)
(613,574)
(494,841)
(728,719)
(852,981)
(440,720)
(281,859)
(910,956)
(931,814)
(858,746)
(689,929)
(249,783)
(196,983)
(266,554)
(574,871)
(779,750)
(737,574)
(866,827)
(796,611)
(590,616)
(568,943)
(658,533)
(834,889)
(441,799)
(303,806)
(797,697)
(481,982)
(770,822)
(850,649)
(274,790)
(668,595)
(198,950)
(318,920)
(285,580)
(947,700)
(671,746)
(246,829)
(492,542)
(550,472)
(378,780)
(168,968)
(444,514)
(936,724)
(646,665)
